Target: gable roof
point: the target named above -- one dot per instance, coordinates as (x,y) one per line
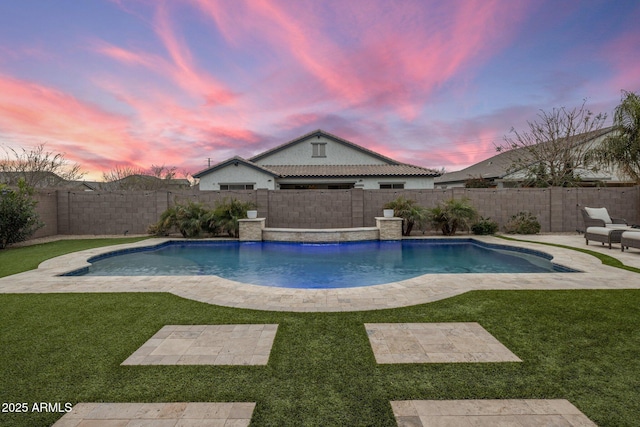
(234,160)
(496,167)
(320,132)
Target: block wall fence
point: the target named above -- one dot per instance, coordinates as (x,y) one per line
(96,213)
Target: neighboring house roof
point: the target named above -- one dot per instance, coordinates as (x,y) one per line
(497,167)
(390,168)
(320,132)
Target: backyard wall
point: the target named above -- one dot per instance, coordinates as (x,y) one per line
(95,213)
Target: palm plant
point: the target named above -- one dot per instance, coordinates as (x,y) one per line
(451,215)
(228,212)
(410,212)
(191,220)
(623,148)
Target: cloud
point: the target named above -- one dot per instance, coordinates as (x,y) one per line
(367,55)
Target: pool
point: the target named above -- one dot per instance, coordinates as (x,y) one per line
(319,266)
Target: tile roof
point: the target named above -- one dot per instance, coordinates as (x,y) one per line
(298,171)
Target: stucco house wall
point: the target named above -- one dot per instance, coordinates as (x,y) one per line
(241,174)
(302,154)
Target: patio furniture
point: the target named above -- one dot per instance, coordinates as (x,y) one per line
(599,217)
(603,235)
(630,239)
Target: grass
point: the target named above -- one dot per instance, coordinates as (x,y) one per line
(576,345)
(18,260)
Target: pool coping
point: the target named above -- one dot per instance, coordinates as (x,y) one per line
(418,290)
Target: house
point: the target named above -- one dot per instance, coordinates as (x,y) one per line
(498,171)
(317,160)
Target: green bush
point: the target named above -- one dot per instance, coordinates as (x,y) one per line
(228,212)
(409,211)
(451,215)
(523,223)
(191,220)
(484,226)
(18,216)
(194,220)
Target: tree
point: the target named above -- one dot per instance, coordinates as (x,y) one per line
(553,150)
(18,216)
(622,149)
(37,167)
(134,178)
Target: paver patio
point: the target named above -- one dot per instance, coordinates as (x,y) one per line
(179,414)
(207,345)
(489,413)
(435,343)
(418,290)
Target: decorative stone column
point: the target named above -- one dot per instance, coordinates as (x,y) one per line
(251,229)
(390,228)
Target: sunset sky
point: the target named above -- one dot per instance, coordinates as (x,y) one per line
(432,83)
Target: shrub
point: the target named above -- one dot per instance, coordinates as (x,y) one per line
(484,226)
(409,211)
(194,219)
(228,212)
(18,216)
(191,220)
(452,214)
(523,223)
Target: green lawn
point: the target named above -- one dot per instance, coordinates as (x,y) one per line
(577,345)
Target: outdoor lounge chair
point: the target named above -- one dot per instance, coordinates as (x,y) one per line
(599,217)
(630,239)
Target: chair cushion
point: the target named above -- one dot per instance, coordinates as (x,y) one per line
(632,235)
(601,231)
(618,226)
(599,213)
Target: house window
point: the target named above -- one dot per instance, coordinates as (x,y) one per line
(318,149)
(392,185)
(236,186)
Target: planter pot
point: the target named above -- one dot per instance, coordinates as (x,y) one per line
(252,214)
(387,213)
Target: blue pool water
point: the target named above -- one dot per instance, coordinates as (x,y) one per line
(340,265)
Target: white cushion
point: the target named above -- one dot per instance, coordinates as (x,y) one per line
(618,226)
(599,213)
(600,231)
(632,235)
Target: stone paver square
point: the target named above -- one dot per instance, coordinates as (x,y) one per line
(179,414)
(473,413)
(207,345)
(435,343)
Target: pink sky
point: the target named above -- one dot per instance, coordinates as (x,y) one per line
(432,83)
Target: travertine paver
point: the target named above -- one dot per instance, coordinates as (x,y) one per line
(180,414)
(417,290)
(468,413)
(435,343)
(207,345)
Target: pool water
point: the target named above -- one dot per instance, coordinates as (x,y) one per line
(320,266)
